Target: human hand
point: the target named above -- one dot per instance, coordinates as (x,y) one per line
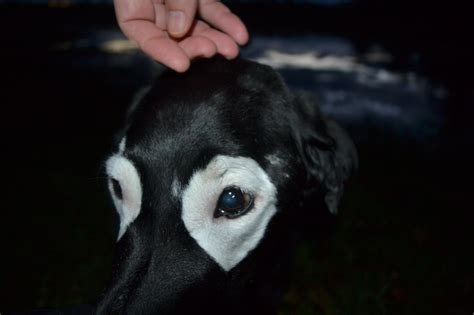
(174,32)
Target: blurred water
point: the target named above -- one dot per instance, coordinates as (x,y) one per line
(353,89)
(358,90)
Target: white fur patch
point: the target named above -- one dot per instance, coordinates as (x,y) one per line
(128,207)
(122,144)
(176,188)
(228,241)
(274,160)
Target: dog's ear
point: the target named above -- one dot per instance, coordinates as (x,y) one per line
(327,152)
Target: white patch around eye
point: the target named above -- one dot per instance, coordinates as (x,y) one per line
(228,241)
(129,205)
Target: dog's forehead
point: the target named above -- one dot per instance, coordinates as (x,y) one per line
(236,89)
(172,149)
(216,108)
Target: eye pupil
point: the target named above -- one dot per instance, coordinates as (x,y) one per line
(233,202)
(117,188)
(232,199)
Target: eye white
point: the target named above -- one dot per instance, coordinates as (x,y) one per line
(228,241)
(128,205)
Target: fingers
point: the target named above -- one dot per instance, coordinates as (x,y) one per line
(180,16)
(160,14)
(198,46)
(127,10)
(156,43)
(219,16)
(156,26)
(167,52)
(224,44)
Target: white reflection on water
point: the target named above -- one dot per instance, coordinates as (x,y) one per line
(357,89)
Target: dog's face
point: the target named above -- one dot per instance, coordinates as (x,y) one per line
(208,178)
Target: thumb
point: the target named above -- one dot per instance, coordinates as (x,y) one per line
(180,16)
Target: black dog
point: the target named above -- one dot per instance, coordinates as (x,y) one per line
(210,178)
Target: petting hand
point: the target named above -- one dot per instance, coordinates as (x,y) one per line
(173,32)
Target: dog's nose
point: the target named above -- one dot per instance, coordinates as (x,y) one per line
(160,275)
(172,292)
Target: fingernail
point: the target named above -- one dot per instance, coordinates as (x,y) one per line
(176,22)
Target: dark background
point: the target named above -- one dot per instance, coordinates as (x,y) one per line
(404,240)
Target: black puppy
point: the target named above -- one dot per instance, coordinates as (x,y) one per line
(210,178)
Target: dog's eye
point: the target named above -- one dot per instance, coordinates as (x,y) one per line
(117,188)
(233,202)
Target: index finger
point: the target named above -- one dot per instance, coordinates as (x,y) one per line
(127,10)
(219,16)
(156,43)
(137,20)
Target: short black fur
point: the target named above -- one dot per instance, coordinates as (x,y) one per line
(236,108)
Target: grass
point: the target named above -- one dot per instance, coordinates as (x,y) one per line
(396,249)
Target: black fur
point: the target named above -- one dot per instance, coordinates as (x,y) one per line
(236,108)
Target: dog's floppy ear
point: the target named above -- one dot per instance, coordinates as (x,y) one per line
(328,153)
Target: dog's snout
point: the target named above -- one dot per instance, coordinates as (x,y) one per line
(153,273)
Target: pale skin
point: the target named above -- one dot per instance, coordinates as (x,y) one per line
(174,32)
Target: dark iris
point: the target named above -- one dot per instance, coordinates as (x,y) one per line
(116,187)
(233,202)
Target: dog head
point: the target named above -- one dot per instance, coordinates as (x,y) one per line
(209,178)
